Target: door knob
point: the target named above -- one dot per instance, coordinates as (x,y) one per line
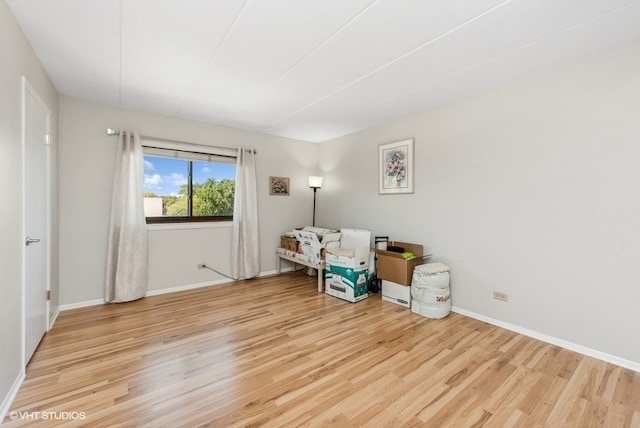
(32,240)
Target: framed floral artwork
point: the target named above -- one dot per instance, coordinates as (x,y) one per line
(279,186)
(395,167)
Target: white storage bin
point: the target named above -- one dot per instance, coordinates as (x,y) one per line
(396,293)
(434,275)
(430,295)
(430,292)
(434,311)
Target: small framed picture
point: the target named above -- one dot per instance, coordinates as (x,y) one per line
(279,186)
(395,167)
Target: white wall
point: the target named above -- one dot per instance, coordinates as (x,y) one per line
(87,159)
(531,190)
(18,59)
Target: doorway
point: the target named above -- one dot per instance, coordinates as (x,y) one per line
(37,171)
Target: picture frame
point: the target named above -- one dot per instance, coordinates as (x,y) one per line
(395,167)
(279,186)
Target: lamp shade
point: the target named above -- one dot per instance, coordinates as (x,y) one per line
(315,182)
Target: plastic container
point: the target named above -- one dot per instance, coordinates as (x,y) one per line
(433,311)
(430,290)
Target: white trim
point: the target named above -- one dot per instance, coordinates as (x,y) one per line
(201,284)
(26,87)
(79,305)
(23,184)
(622,362)
(193,225)
(96,302)
(54,317)
(11,395)
(187,287)
(154,145)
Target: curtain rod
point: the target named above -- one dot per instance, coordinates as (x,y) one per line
(111,131)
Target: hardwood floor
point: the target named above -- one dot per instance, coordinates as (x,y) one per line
(275,352)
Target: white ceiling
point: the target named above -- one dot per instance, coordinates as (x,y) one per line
(310,69)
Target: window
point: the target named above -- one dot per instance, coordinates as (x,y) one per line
(182,186)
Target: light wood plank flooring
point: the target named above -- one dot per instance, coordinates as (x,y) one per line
(275,352)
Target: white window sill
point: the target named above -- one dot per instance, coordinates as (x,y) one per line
(194,225)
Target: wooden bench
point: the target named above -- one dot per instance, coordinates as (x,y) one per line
(296,261)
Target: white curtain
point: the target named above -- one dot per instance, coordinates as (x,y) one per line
(245,245)
(126,277)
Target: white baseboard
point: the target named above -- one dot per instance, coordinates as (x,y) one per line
(78,305)
(53,319)
(622,362)
(203,284)
(11,395)
(185,287)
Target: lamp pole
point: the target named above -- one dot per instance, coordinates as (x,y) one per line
(313,223)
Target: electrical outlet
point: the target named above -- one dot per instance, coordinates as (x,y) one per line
(498,295)
(202,265)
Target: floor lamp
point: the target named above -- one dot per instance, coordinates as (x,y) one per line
(315,183)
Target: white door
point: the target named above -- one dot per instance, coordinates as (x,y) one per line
(36,130)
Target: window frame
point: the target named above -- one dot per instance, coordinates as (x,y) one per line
(186,219)
(155,151)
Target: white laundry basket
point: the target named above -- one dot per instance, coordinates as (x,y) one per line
(430,290)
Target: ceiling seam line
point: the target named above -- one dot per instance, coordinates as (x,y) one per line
(440,36)
(303,58)
(213,56)
(528,44)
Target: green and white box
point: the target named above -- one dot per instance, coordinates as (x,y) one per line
(346,283)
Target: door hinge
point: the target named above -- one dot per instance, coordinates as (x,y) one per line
(48,139)
(48,295)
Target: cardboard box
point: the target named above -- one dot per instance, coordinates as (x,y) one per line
(346,283)
(353,251)
(396,293)
(289,242)
(312,246)
(395,268)
(354,238)
(354,258)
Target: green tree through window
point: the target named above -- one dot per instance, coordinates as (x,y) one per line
(182,190)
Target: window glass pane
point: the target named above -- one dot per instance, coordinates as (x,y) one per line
(213,188)
(165,186)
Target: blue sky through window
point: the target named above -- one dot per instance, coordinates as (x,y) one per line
(164,176)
